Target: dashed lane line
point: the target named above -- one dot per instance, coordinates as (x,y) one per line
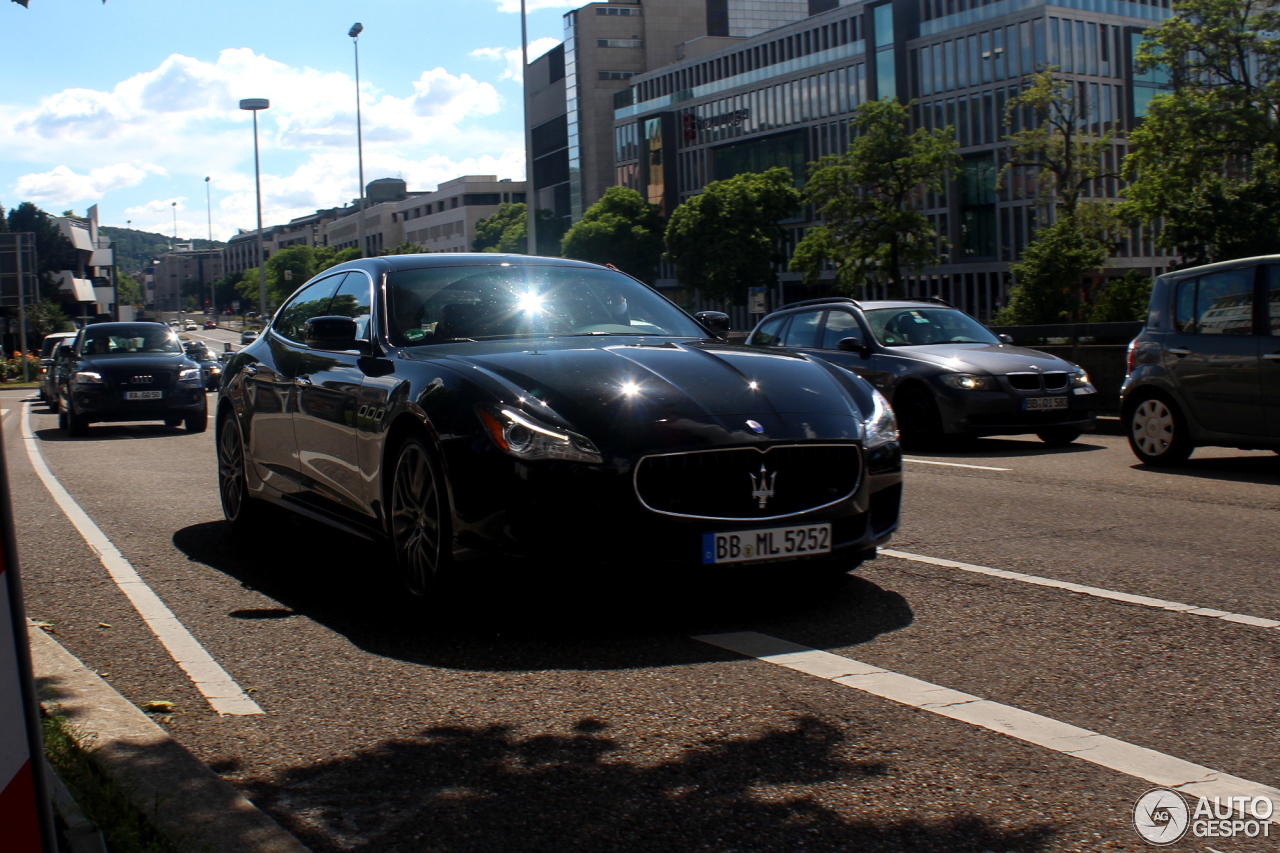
(953,464)
(1138,761)
(1096,592)
(213,682)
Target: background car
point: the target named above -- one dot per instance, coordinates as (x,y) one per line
(210,324)
(129,372)
(210,365)
(1205,370)
(190,326)
(945,373)
(553,412)
(48,350)
(248,336)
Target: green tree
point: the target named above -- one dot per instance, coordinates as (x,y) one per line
(620,229)
(327,256)
(54,251)
(502,231)
(1206,157)
(727,239)
(405,248)
(43,319)
(867,199)
(247,289)
(287,269)
(4,224)
(1048,276)
(1122,299)
(128,289)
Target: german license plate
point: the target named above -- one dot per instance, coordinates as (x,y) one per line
(1037,404)
(748,546)
(143,395)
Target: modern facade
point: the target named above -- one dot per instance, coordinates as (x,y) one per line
(88,291)
(785,98)
(172,270)
(606,45)
(445,220)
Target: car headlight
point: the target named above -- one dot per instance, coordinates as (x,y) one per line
(525,438)
(970,382)
(1080,383)
(87,377)
(190,376)
(882,427)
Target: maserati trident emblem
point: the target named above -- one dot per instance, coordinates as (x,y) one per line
(755,427)
(762,488)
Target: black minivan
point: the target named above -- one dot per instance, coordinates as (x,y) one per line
(1206,369)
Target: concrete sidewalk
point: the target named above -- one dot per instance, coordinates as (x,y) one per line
(183,797)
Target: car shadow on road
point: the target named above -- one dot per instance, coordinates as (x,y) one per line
(507,618)
(1261,469)
(790,787)
(113,432)
(1006,448)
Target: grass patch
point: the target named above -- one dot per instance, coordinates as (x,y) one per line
(125,827)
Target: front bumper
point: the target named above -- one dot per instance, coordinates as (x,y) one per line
(109,406)
(1002,413)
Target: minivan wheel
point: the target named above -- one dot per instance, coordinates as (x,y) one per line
(1058,436)
(1158,433)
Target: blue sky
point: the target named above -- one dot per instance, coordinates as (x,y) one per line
(131,104)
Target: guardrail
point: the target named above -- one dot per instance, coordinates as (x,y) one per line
(1099,348)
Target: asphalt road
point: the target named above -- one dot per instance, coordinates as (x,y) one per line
(531,710)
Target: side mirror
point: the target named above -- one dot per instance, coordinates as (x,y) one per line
(853,343)
(64,351)
(331,333)
(1005,339)
(716,321)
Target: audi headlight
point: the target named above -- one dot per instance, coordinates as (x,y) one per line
(882,427)
(1080,383)
(190,376)
(87,377)
(523,437)
(970,382)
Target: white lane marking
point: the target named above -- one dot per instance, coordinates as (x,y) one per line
(1121,756)
(1096,592)
(217,686)
(953,464)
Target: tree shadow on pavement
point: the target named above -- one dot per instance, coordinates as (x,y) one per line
(522,617)
(489,790)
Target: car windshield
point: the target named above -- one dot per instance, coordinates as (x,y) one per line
(479,302)
(908,327)
(130,340)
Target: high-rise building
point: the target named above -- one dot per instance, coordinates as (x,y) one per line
(785,98)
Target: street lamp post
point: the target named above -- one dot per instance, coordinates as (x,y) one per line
(253,105)
(174,244)
(355,31)
(208,206)
(530,203)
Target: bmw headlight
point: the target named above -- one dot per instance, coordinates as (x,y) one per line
(87,377)
(970,382)
(1080,383)
(882,427)
(523,437)
(190,376)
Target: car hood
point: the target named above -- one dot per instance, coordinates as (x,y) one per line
(984,358)
(149,361)
(601,387)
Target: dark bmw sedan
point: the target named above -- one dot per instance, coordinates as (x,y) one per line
(129,372)
(464,406)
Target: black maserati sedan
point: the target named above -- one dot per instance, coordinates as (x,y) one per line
(128,372)
(469,406)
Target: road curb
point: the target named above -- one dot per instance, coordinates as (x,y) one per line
(184,797)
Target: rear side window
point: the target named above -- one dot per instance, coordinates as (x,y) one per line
(1273,301)
(803,331)
(770,332)
(840,325)
(1219,303)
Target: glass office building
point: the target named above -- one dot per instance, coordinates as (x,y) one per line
(785,98)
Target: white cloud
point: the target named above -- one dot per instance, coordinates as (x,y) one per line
(511,57)
(537,5)
(61,186)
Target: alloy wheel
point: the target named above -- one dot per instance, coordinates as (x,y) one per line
(231,485)
(419,527)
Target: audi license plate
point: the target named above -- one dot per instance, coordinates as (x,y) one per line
(745,546)
(1037,404)
(143,395)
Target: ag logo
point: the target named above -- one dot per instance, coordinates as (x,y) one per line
(1161,816)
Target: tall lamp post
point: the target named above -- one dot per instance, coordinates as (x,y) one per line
(253,105)
(355,31)
(208,206)
(530,202)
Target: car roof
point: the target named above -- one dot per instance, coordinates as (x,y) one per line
(868,305)
(392,263)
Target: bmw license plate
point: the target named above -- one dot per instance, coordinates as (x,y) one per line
(143,395)
(746,546)
(1037,404)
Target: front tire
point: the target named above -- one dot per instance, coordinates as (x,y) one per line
(919,421)
(243,513)
(199,422)
(1058,436)
(1158,433)
(421,529)
(77,426)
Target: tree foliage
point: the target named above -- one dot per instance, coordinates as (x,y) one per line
(1052,115)
(507,231)
(620,229)
(54,251)
(1206,158)
(727,239)
(44,318)
(405,248)
(1122,299)
(327,256)
(1048,277)
(867,199)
